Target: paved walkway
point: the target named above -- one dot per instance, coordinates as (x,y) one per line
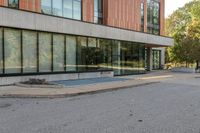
(72,88)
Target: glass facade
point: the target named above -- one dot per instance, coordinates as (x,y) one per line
(64,8)
(71,53)
(12,50)
(98,11)
(45,52)
(13,3)
(46,6)
(32,52)
(156,59)
(29,45)
(153,17)
(58,53)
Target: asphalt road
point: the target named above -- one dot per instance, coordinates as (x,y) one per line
(172,106)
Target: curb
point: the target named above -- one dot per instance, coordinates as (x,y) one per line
(75,94)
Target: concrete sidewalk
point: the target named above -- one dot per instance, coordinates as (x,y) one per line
(67,91)
(22,92)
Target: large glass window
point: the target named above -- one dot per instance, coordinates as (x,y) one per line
(116,57)
(50,52)
(77,9)
(70,53)
(57,7)
(12,50)
(82,53)
(46,6)
(13,3)
(153,17)
(91,54)
(105,54)
(1,50)
(156,59)
(141,58)
(45,52)
(29,51)
(67,8)
(98,11)
(58,52)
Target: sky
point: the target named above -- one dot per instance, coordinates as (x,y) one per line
(172,5)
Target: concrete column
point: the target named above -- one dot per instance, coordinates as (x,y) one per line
(149,59)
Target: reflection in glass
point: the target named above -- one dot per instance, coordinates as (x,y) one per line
(12,50)
(13,3)
(67,8)
(57,7)
(82,53)
(45,58)
(156,59)
(58,52)
(105,54)
(77,9)
(116,54)
(29,51)
(71,53)
(46,6)
(91,54)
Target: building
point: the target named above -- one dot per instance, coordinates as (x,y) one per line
(70,39)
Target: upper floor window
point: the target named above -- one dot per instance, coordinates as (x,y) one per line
(13,3)
(98,11)
(153,17)
(142,17)
(64,8)
(46,6)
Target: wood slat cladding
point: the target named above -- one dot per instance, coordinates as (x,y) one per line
(122,13)
(127,14)
(3,2)
(30,5)
(88,10)
(162,17)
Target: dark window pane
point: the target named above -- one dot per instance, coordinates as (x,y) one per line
(45,55)
(29,51)
(71,53)
(58,52)
(46,6)
(12,50)
(98,11)
(13,3)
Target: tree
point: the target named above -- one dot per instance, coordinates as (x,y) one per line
(184,26)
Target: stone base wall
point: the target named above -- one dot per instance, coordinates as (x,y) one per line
(56,77)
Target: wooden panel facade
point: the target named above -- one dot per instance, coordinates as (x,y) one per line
(88,10)
(3,2)
(127,14)
(117,13)
(30,5)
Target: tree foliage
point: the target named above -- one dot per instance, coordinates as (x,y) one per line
(184,26)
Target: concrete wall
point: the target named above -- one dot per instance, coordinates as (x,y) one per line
(56,77)
(33,21)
